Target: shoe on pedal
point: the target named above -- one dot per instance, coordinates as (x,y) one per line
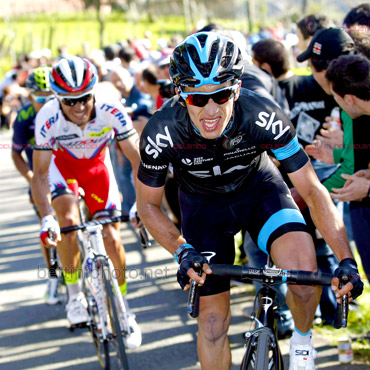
(51,295)
(302,357)
(77,310)
(133,340)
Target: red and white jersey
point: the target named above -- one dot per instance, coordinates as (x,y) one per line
(68,141)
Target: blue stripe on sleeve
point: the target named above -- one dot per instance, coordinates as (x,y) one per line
(287,150)
(278,219)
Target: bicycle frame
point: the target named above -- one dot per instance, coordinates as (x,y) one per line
(263,339)
(265,322)
(94,248)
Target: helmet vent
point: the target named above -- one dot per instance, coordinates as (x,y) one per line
(202,39)
(227,57)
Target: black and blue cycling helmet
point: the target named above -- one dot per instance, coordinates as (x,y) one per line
(205,58)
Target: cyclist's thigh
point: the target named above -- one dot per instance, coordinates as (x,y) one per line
(269,212)
(100,186)
(66,208)
(206,226)
(64,190)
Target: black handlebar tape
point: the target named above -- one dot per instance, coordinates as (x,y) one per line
(231,271)
(309,278)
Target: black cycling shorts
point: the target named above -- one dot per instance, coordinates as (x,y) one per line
(265,209)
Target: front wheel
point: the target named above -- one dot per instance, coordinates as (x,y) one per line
(101,344)
(114,318)
(261,354)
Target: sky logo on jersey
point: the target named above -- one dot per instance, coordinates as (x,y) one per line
(115,112)
(267,121)
(154,148)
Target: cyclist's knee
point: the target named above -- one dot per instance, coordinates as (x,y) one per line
(304,292)
(112,236)
(213,326)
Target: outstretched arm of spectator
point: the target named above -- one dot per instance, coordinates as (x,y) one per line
(320,151)
(357,187)
(331,137)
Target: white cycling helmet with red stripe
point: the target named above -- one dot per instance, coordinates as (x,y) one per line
(73,74)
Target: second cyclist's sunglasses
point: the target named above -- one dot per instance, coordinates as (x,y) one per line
(200,99)
(42,99)
(73,100)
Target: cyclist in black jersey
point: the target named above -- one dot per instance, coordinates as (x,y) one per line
(215,134)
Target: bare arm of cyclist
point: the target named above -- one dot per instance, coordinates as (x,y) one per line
(22,166)
(324,214)
(40,185)
(131,151)
(159,225)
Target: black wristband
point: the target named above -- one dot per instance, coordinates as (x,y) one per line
(345,260)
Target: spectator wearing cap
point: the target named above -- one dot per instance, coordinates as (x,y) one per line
(308,26)
(349,78)
(163,64)
(326,45)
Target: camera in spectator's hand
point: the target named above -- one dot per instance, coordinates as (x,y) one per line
(166,89)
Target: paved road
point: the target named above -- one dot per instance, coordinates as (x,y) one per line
(35,336)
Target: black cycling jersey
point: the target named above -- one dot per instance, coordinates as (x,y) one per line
(226,164)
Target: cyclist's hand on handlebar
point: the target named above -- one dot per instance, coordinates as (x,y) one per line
(49,227)
(355,286)
(185,272)
(134,218)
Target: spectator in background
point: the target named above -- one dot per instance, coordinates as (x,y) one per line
(111,56)
(357,24)
(308,26)
(128,58)
(349,78)
(13,95)
(325,46)
(358,18)
(163,65)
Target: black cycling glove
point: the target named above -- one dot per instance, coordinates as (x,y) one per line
(187,259)
(348,267)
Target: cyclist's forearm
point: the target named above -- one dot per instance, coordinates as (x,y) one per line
(161,228)
(330,224)
(22,166)
(41,194)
